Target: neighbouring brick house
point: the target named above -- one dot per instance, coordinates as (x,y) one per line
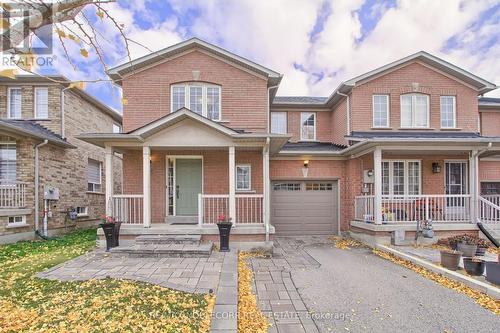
(32,119)
(205,135)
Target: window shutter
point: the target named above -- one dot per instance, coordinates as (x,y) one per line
(94,172)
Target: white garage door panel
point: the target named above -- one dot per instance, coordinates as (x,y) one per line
(304,208)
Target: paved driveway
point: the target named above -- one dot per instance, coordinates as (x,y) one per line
(355,290)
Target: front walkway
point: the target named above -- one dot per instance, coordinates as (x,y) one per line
(193,275)
(334,290)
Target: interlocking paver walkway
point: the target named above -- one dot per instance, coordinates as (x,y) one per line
(195,275)
(277,295)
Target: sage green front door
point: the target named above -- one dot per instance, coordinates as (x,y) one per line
(188,184)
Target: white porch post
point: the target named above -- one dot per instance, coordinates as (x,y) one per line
(266,190)
(146,185)
(377,170)
(232,184)
(108,169)
(473,185)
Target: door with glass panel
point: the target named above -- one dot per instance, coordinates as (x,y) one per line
(456,183)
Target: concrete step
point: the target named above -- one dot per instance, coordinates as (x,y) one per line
(189,220)
(168,239)
(166,250)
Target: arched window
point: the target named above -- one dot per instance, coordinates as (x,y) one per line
(414,111)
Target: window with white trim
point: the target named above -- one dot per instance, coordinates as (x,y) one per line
(414,111)
(17,220)
(381,111)
(14,103)
(117,128)
(278,122)
(8,163)
(243,177)
(41,103)
(94,178)
(82,211)
(401,177)
(202,98)
(307,126)
(448,111)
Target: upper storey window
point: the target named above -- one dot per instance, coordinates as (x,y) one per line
(307,126)
(380,110)
(278,122)
(414,111)
(448,112)
(201,98)
(14,103)
(41,103)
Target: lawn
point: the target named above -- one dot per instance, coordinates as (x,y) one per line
(30,304)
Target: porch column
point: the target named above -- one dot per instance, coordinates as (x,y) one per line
(146,186)
(232,184)
(266,190)
(108,169)
(377,170)
(473,185)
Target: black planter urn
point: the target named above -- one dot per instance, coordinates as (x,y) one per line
(117,233)
(224,232)
(109,233)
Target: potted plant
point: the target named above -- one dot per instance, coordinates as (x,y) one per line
(467,244)
(493,271)
(111,230)
(474,266)
(450,259)
(224,224)
(482,246)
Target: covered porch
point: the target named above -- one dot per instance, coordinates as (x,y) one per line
(402,185)
(183,173)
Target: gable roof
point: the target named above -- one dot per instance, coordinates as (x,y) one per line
(175,117)
(34,130)
(116,73)
(65,82)
(483,86)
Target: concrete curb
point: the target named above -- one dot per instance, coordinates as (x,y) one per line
(468,281)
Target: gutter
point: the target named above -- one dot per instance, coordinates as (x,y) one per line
(37,175)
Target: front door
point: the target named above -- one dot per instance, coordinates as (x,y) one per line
(188,178)
(455,184)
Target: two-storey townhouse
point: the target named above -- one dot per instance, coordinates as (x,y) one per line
(204,136)
(40,157)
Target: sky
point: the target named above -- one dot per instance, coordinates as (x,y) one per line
(315,44)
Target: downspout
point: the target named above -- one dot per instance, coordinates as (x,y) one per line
(476,175)
(266,188)
(37,174)
(63,129)
(348,112)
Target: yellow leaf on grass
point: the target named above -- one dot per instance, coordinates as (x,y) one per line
(84,53)
(10,73)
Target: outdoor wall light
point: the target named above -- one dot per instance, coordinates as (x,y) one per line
(305,169)
(306,164)
(370,173)
(436,168)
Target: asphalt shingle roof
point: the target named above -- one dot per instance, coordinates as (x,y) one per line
(489,101)
(299,100)
(312,146)
(416,135)
(34,129)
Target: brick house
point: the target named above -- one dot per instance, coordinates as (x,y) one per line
(205,135)
(39,119)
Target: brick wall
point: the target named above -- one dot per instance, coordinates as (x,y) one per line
(490,123)
(489,171)
(65,169)
(243,95)
(399,82)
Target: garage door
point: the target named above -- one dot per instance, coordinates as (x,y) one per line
(304,208)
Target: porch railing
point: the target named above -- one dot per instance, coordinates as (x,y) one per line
(12,195)
(493,198)
(249,208)
(412,208)
(488,210)
(128,208)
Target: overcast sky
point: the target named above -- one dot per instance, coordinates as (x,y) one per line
(316,44)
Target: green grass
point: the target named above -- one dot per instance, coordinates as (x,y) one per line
(31,304)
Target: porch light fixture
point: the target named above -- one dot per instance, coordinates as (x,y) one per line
(436,168)
(305,169)
(370,173)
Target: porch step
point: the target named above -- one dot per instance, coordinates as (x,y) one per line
(166,250)
(192,220)
(167,239)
